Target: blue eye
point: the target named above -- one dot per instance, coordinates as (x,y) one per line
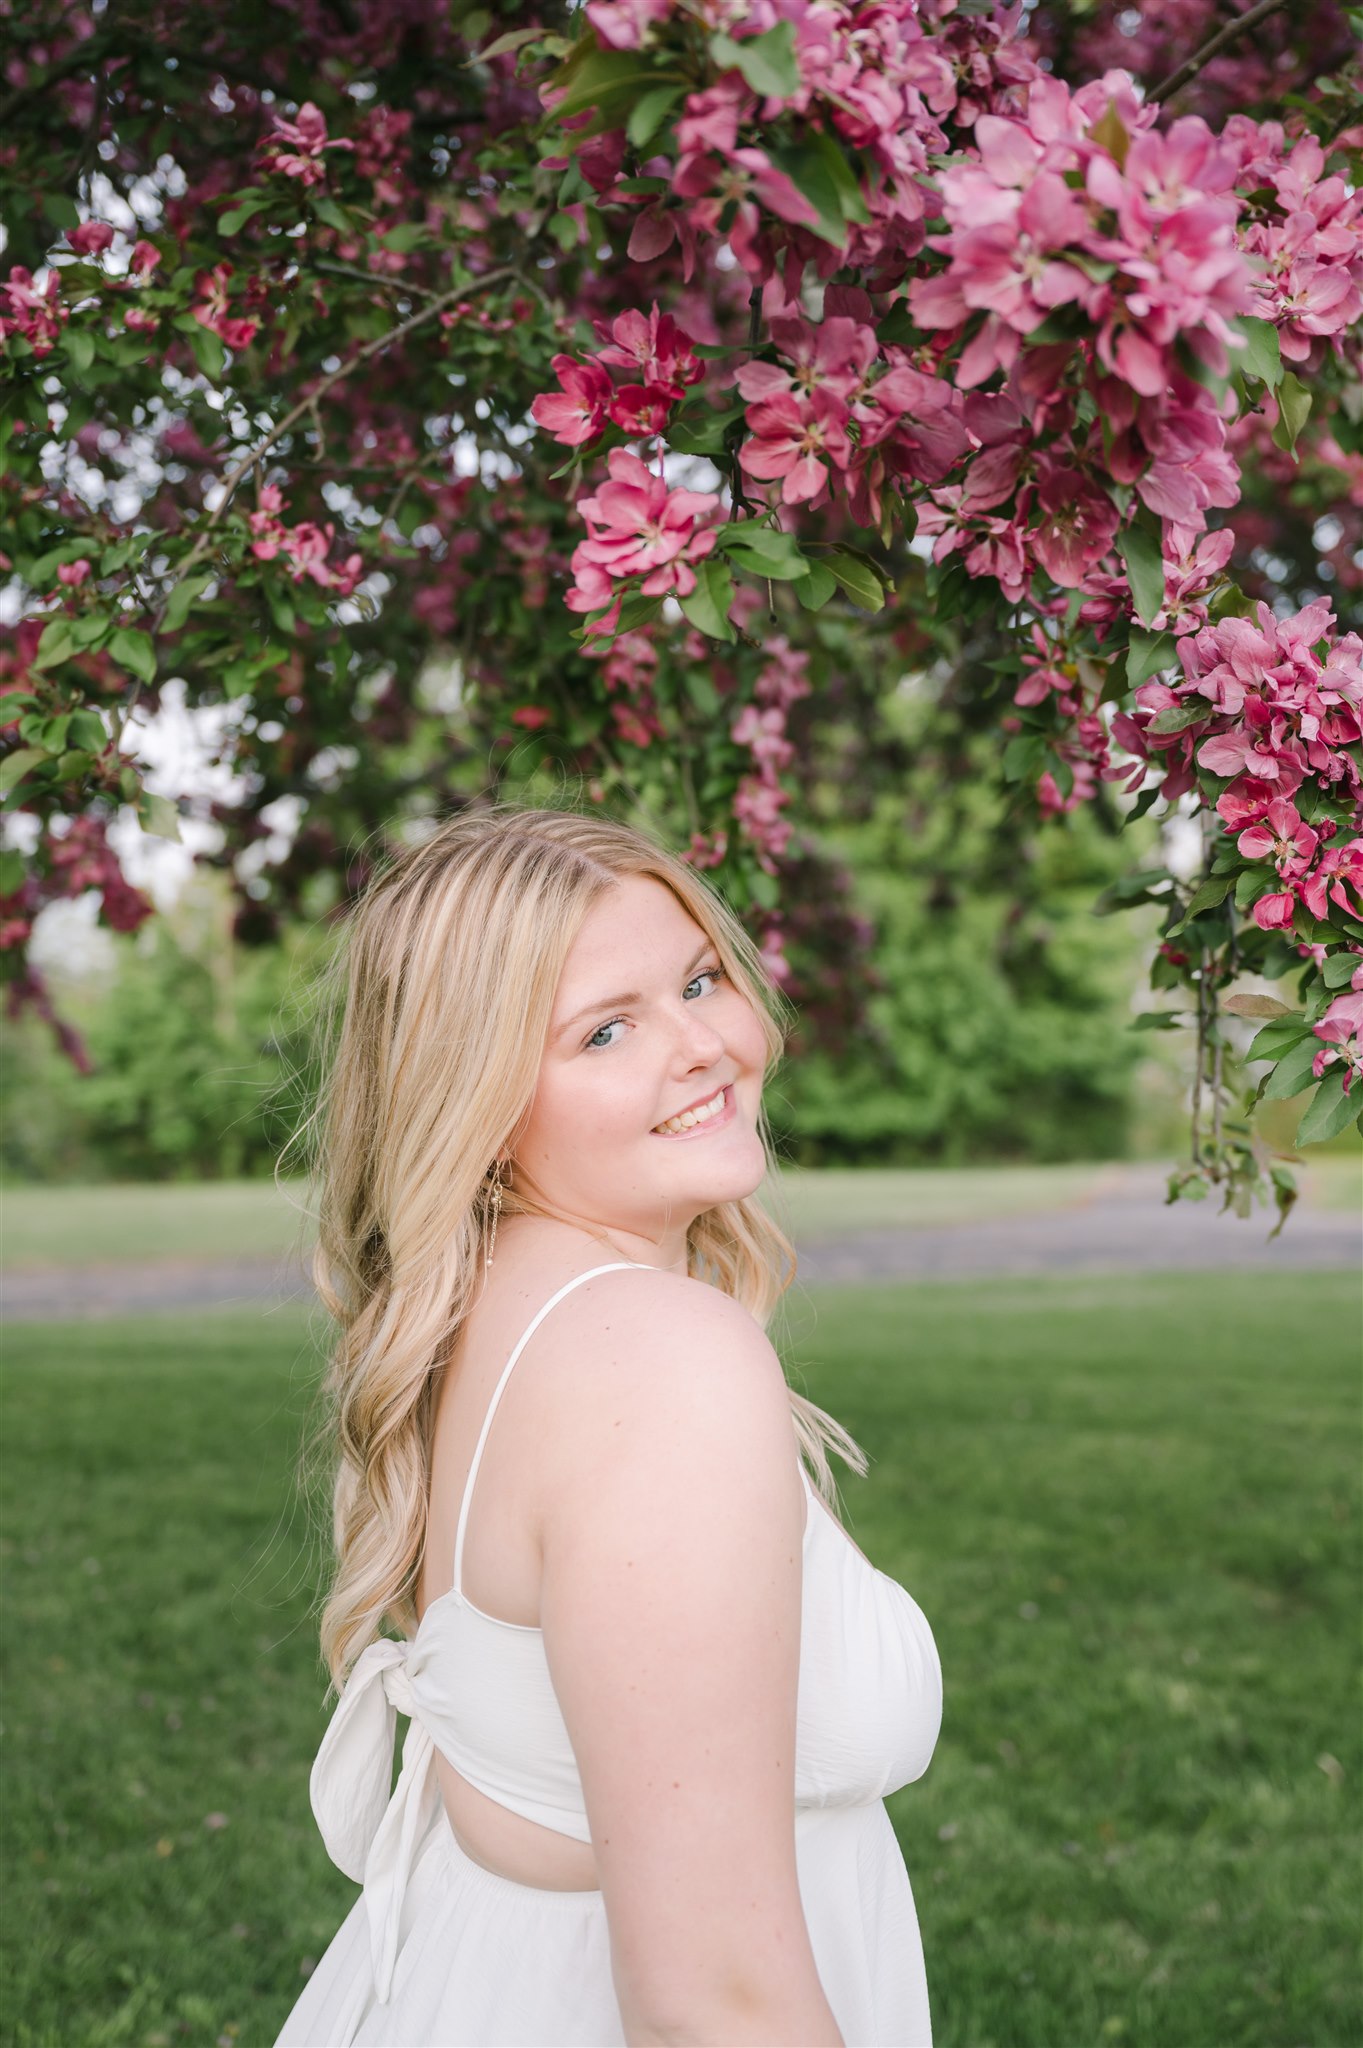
(715,974)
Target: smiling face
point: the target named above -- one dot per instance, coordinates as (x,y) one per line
(645,1024)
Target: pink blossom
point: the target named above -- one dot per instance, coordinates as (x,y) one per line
(73,574)
(1076,526)
(210,308)
(144,259)
(36,315)
(638,527)
(655,348)
(1283,837)
(625,24)
(296,147)
(577,413)
(1338,876)
(91,237)
(1342,1029)
(795,439)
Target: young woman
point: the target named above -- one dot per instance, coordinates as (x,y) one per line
(656,1694)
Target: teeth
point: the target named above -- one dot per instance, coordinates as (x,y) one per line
(690,1117)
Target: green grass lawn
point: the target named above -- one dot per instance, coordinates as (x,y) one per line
(1129,1507)
(76,1226)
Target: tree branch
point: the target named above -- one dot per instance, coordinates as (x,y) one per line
(1213,48)
(256,455)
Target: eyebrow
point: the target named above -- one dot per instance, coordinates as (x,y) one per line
(632,996)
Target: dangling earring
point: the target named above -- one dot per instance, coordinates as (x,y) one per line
(495,1210)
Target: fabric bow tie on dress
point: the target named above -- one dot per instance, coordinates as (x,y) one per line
(370,1835)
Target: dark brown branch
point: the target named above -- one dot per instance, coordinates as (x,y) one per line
(255,456)
(1213,48)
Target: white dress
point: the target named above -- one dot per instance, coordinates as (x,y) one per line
(438,1952)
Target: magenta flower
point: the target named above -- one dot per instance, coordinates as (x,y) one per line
(577,412)
(1076,527)
(90,237)
(794,439)
(144,259)
(296,147)
(210,309)
(1283,836)
(655,348)
(1338,872)
(638,527)
(1342,1029)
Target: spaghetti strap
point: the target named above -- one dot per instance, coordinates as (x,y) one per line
(618,1266)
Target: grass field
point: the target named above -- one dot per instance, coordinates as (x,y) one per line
(1129,1506)
(46,1227)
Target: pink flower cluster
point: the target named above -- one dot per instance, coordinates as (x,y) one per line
(83,859)
(1308,249)
(212,308)
(1274,704)
(628,669)
(650,345)
(305,547)
(1342,1029)
(845,411)
(296,148)
(637,527)
(761,727)
(34,313)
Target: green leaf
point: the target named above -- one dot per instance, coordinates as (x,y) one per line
(11,871)
(57,643)
(1145,570)
(87,731)
(862,583)
(815,587)
(1159,1020)
(17,765)
(1022,756)
(208,350)
(763,550)
(1148,653)
(1277,1037)
(604,76)
(809,174)
(514,39)
(334,216)
(1178,717)
(158,816)
(649,113)
(1293,1071)
(702,692)
(767,62)
(80,348)
(1340,968)
(1294,409)
(1261,356)
(1328,1111)
(61,209)
(841,175)
(708,605)
(134,651)
(180,601)
(237,216)
(1208,894)
(704,433)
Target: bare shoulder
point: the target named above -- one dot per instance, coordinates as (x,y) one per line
(646,1346)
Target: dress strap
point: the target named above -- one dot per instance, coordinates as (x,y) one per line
(618,1266)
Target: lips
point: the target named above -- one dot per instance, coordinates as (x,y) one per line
(717,1121)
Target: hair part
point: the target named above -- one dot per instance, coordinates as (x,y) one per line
(438,1007)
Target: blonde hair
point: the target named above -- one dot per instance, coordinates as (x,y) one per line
(440,1002)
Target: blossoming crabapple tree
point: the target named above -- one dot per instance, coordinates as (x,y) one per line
(672,375)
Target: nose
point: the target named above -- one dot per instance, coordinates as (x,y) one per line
(701,1044)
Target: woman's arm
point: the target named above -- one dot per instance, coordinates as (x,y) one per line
(670,1604)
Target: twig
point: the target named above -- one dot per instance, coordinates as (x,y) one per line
(1213,48)
(390,284)
(256,455)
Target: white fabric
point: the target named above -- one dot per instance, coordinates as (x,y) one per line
(438,1951)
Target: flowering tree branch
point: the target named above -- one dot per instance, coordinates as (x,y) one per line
(1233,30)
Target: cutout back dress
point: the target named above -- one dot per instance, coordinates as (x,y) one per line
(440,1952)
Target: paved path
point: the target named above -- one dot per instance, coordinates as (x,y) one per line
(1119,1224)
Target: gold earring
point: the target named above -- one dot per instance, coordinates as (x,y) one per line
(495,1209)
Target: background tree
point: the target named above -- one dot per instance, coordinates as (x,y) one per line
(798,349)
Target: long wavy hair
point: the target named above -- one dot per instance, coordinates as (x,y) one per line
(437,1007)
